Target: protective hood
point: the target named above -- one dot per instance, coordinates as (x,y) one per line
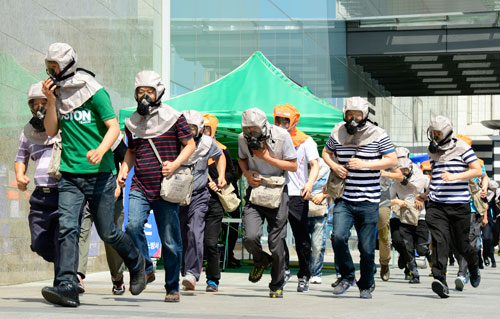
(39,137)
(402,152)
(212,121)
(416,182)
(76,87)
(160,119)
(356,103)
(255,117)
(453,148)
(150,79)
(35,92)
(290,112)
(194,117)
(365,136)
(202,148)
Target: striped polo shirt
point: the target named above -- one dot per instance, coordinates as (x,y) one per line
(147,177)
(41,155)
(362,184)
(451,192)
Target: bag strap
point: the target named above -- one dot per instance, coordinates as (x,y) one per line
(155,150)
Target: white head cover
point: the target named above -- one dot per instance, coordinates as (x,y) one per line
(402,152)
(74,91)
(455,147)
(194,117)
(416,182)
(255,117)
(35,136)
(160,119)
(356,103)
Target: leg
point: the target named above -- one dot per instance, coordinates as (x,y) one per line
(437,220)
(408,233)
(115,262)
(343,220)
(297,216)
(397,241)
(138,211)
(167,220)
(213,222)
(317,229)
(84,242)
(365,217)
(253,222)
(383,235)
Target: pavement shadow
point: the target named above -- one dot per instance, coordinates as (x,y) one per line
(42,300)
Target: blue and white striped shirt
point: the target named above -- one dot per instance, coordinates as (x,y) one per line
(451,192)
(363,184)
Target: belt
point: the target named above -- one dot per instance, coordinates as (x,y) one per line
(46,190)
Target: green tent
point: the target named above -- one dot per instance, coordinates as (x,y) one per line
(255,83)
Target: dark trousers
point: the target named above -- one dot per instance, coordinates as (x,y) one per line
(397,240)
(474,235)
(98,189)
(253,221)
(44,226)
(213,222)
(415,238)
(232,237)
(490,237)
(298,208)
(449,224)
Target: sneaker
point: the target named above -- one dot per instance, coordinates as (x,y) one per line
(342,287)
(337,282)
(365,294)
(315,280)
(212,286)
(150,277)
(440,289)
(65,295)
(372,288)
(288,275)
(475,277)
(460,283)
(118,287)
(385,273)
(256,273)
(172,297)
(81,284)
(401,262)
(278,293)
(138,279)
(189,281)
(303,285)
(414,279)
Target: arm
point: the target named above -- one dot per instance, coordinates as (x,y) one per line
(249,175)
(395,175)
(473,171)
(127,164)
(388,160)
(485,182)
(169,167)
(340,170)
(313,175)
(51,122)
(21,179)
(286,165)
(95,156)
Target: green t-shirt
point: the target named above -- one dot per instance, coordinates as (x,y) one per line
(82,130)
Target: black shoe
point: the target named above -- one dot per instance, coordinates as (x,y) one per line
(65,295)
(401,262)
(486,261)
(440,289)
(493,262)
(138,279)
(475,277)
(233,263)
(372,288)
(256,273)
(414,279)
(337,282)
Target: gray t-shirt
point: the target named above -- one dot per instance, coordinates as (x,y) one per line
(280,146)
(200,171)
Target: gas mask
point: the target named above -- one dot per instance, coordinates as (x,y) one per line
(145,103)
(406,177)
(255,139)
(435,144)
(37,119)
(354,125)
(60,77)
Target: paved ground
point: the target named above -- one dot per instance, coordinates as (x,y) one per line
(238,298)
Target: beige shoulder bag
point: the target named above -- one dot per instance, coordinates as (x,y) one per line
(55,161)
(268,194)
(229,200)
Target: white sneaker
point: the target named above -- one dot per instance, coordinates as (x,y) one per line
(189,281)
(315,280)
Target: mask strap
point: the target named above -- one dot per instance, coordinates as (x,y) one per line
(61,76)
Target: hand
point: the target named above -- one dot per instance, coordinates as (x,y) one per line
(121,178)
(22,182)
(168,168)
(401,203)
(252,180)
(118,191)
(419,204)
(221,182)
(306,191)
(213,186)
(356,163)
(318,198)
(422,197)
(94,156)
(483,193)
(447,176)
(262,153)
(48,89)
(341,171)
(484,222)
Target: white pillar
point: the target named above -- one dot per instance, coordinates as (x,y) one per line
(165,46)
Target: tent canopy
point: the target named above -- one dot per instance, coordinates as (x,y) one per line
(255,83)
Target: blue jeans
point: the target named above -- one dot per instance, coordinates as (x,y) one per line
(98,189)
(167,221)
(364,216)
(317,230)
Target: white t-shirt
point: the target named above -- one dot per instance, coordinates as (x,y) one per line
(306,152)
